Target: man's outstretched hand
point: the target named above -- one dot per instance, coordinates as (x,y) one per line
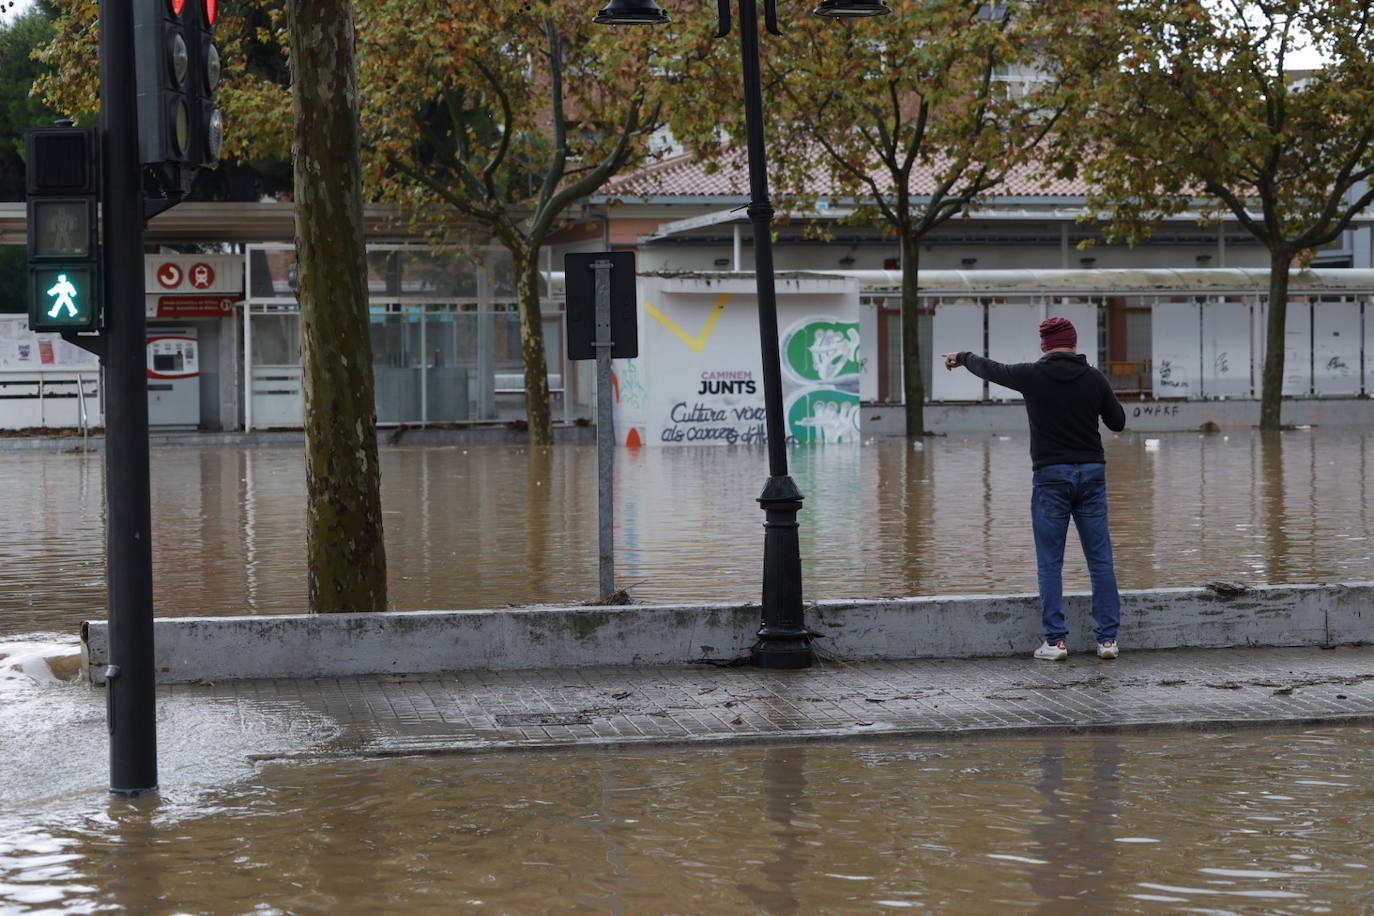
(952,361)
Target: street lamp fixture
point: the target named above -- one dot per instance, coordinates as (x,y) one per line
(783,639)
(852,9)
(631,12)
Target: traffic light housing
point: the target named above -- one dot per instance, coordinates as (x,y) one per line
(162,50)
(207,124)
(63,188)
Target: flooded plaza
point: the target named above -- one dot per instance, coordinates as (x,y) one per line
(1220,821)
(481,527)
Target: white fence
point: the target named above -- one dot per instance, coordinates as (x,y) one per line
(45,382)
(52,399)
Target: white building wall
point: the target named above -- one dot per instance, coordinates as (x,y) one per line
(1336,348)
(1297,350)
(1225,349)
(1013,337)
(1176,349)
(957,326)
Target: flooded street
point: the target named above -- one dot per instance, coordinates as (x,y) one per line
(477,527)
(1217,821)
(1207,823)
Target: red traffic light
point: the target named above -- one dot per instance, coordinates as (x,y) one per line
(211,10)
(177,6)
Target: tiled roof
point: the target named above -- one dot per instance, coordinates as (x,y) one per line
(681,176)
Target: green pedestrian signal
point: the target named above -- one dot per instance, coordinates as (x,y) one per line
(63,298)
(64,252)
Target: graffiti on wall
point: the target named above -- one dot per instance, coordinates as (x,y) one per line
(698,378)
(821,366)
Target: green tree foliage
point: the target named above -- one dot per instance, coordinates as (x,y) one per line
(20,108)
(69,79)
(486,120)
(250,36)
(1203,105)
(505,114)
(912,118)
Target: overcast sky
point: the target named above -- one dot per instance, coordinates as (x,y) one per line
(6,14)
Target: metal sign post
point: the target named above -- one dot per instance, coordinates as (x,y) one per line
(603,324)
(605,433)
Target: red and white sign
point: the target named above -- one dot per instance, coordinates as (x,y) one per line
(169,276)
(194,306)
(202,276)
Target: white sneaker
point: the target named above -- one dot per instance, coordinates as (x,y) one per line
(1108,649)
(1052,653)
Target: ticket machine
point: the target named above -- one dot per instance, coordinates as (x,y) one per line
(173,378)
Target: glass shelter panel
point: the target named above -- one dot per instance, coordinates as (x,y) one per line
(450,364)
(277,339)
(445,336)
(272,274)
(438,275)
(397,344)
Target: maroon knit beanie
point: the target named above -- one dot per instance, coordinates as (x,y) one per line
(1057,332)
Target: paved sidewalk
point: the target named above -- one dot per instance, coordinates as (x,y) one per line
(500,710)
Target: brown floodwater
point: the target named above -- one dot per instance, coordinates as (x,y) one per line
(1216,823)
(474,527)
(1221,823)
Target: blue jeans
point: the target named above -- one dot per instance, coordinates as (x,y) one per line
(1078,490)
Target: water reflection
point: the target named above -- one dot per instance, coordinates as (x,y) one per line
(1074,835)
(1273,488)
(135,876)
(1199,822)
(491,526)
(791,821)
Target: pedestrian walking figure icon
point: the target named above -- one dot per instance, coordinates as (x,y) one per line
(64,291)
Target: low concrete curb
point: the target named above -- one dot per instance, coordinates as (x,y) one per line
(417,642)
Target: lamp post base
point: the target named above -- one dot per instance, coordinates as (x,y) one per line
(783,639)
(790,650)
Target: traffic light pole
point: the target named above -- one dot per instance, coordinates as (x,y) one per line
(130,678)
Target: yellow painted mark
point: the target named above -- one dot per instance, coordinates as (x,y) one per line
(697,343)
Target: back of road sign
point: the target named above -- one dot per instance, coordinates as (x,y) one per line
(579,280)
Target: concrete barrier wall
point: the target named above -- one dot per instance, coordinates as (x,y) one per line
(228,648)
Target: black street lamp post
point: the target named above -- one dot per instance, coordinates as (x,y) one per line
(783,639)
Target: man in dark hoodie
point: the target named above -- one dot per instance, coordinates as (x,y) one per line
(1064,397)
